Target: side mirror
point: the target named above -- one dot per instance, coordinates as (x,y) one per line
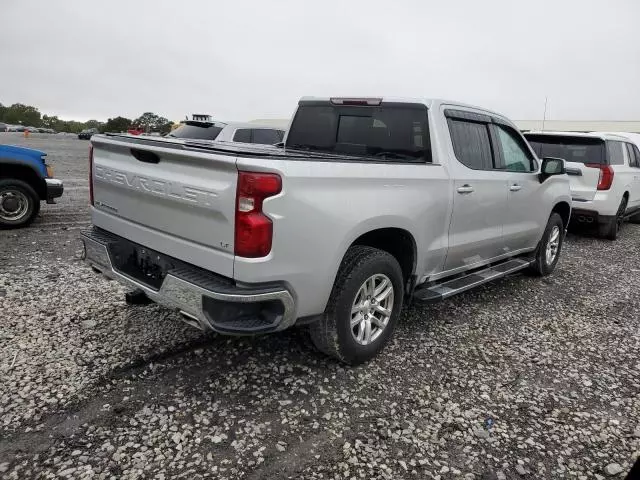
(551,166)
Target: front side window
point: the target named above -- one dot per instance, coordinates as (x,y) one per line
(516,157)
(637,154)
(634,155)
(615,152)
(471,143)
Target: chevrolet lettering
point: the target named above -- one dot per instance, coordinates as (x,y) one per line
(155,186)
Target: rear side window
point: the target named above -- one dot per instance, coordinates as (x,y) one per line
(615,153)
(471,143)
(393,132)
(197,130)
(267,136)
(571,149)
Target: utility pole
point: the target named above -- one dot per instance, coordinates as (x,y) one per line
(544,115)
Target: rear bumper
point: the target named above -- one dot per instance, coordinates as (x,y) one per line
(582,216)
(206,300)
(55,188)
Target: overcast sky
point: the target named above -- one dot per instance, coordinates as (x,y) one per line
(242,60)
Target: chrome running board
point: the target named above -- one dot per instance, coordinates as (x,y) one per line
(440,291)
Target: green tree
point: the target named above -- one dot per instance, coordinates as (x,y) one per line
(93,124)
(117,124)
(51,122)
(19,113)
(70,126)
(150,122)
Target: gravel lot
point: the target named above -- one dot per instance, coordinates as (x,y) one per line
(522,379)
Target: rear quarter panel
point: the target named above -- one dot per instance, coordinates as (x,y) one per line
(325,205)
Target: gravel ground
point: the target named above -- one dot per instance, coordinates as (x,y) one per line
(521,379)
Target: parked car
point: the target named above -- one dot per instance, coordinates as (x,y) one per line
(4,127)
(16,128)
(87,133)
(25,180)
(229,132)
(604,171)
(371,202)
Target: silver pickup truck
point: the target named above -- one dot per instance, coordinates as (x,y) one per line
(372,202)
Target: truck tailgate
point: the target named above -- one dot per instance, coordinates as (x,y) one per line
(166,198)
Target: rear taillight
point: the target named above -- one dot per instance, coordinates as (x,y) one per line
(606,175)
(254,230)
(91,174)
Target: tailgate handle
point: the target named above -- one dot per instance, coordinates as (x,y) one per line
(574,171)
(145,156)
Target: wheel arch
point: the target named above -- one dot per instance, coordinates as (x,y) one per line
(396,240)
(26,173)
(564,210)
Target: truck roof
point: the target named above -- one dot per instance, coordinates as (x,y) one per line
(430,103)
(599,135)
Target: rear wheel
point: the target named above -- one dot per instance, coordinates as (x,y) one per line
(364,306)
(611,229)
(550,246)
(19,203)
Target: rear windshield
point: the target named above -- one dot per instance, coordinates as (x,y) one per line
(387,132)
(199,130)
(571,149)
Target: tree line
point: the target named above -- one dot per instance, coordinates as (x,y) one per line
(29,116)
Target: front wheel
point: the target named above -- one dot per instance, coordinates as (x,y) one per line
(364,306)
(548,251)
(19,203)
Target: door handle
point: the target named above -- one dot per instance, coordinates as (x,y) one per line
(515,187)
(466,188)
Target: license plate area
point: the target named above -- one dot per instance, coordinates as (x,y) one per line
(140,263)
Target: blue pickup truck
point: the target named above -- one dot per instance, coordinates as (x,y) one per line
(25,180)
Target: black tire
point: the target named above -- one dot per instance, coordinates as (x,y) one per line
(332,334)
(610,230)
(33,203)
(541,267)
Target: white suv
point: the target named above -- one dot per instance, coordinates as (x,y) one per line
(604,172)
